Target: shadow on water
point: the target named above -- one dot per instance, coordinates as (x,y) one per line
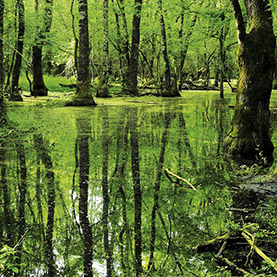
(84,191)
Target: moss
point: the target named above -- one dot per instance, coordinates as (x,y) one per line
(249,137)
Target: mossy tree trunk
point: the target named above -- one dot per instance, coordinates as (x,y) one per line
(103,89)
(132,73)
(83,95)
(39,87)
(14,93)
(249,138)
(2,76)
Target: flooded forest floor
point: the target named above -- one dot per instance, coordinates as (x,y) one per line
(137,185)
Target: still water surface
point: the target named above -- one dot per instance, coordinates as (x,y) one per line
(96,187)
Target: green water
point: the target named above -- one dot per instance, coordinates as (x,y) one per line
(112,159)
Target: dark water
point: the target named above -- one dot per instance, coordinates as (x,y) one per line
(84,190)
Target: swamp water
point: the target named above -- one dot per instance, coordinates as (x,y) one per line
(104,182)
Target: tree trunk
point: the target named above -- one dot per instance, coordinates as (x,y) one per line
(14,94)
(249,138)
(2,74)
(103,89)
(39,87)
(83,96)
(170,86)
(132,72)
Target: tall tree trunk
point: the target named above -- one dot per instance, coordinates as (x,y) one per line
(170,86)
(103,89)
(249,138)
(222,59)
(132,72)
(84,131)
(136,187)
(2,74)
(83,96)
(39,87)
(14,94)
(185,40)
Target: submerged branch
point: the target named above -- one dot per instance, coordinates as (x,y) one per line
(168,173)
(250,239)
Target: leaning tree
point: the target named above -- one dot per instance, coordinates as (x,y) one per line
(249,138)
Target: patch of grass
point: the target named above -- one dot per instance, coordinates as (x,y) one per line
(51,82)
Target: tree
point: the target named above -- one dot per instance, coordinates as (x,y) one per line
(2,76)
(39,87)
(170,87)
(103,90)
(83,96)
(132,72)
(249,137)
(14,93)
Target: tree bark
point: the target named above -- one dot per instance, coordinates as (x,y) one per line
(170,86)
(2,74)
(249,139)
(39,87)
(103,89)
(14,93)
(132,72)
(83,96)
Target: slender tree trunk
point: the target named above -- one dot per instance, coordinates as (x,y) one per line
(132,72)
(185,40)
(122,43)
(84,131)
(83,95)
(15,94)
(103,89)
(170,86)
(2,73)
(74,35)
(133,117)
(249,139)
